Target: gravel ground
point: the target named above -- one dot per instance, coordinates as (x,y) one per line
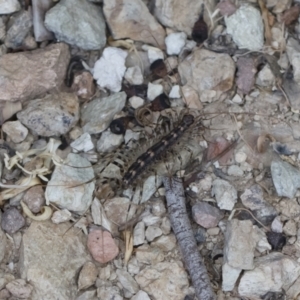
(102,103)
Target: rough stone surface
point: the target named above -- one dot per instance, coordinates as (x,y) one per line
(98,114)
(19,289)
(9,6)
(164,281)
(65,189)
(102,246)
(210,74)
(286,178)
(246,28)
(53,115)
(127,281)
(87,276)
(132,19)
(206,215)
(34,198)
(139,234)
(225,193)
(81,24)
(175,42)
(12,220)
(50,260)
(83,143)
(47,66)
(15,130)
(110,69)
(275,270)
(179,15)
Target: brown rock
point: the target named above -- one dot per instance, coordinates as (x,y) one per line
(26,75)
(102,246)
(87,276)
(132,19)
(35,198)
(83,85)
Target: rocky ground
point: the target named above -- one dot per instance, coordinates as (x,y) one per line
(69,68)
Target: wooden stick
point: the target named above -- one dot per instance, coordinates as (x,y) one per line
(183,231)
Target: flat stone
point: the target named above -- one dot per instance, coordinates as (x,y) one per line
(210,74)
(15,130)
(132,19)
(127,281)
(9,6)
(54,114)
(230,275)
(164,280)
(286,178)
(83,143)
(80,25)
(34,198)
(61,216)
(83,85)
(66,251)
(272,270)
(206,215)
(12,220)
(19,289)
(87,275)
(165,242)
(246,28)
(134,75)
(139,234)
(47,66)
(149,255)
(178,15)
(109,141)
(225,193)
(78,197)
(110,69)
(102,246)
(98,114)
(153,232)
(265,77)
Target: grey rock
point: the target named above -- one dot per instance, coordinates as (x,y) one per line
(166,280)
(3,244)
(253,199)
(139,234)
(19,289)
(9,6)
(109,292)
(127,281)
(83,143)
(47,66)
(206,215)
(225,193)
(286,178)
(246,34)
(153,232)
(12,220)
(210,74)
(53,115)
(2,29)
(34,198)
(149,255)
(80,24)
(165,242)
(87,295)
(171,14)
(87,275)
(132,19)
(19,29)
(109,141)
(140,295)
(64,188)
(275,270)
(50,260)
(15,130)
(97,114)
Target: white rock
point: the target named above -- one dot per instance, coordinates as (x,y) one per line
(154,90)
(290,228)
(175,42)
(153,53)
(64,188)
(83,143)
(191,97)
(265,77)
(262,243)
(15,130)
(131,135)
(133,266)
(150,186)
(239,244)
(175,92)
(61,216)
(136,101)
(140,295)
(109,141)
(225,193)
(165,226)
(134,75)
(9,6)
(165,242)
(277,225)
(139,234)
(275,270)
(151,220)
(230,276)
(99,216)
(246,28)
(240,157)
(153,232)
(237,99)
(235,170)
(110,68)
(127,281)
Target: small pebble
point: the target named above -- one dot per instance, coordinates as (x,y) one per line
(200,235)
(153,53)
(154,90)
(276,225)
(87,276)
(165,226)
(139,234)
(15,130)
(102,246)
(237,99)
(240,157)
(206,215)
(134,75)
(83,143)
(19,288)
(290,228)
(165,242)
(175,92)
(175,42)
(12,220)
(61,216)
(276,240)
(153,232)
(34,198)
(213,231)
(235,171)
(136,101)
(140,295)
